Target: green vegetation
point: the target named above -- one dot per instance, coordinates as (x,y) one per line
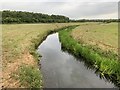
(105,65)
(21,40)
(30,77)
(30,17)
(97,20)
(102,38)
(19,48)
(105,36)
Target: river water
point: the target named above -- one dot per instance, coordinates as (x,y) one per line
(62,70)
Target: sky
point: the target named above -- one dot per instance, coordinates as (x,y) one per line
(74,9)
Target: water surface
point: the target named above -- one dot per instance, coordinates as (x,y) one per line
(62,70)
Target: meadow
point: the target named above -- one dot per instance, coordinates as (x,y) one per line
(85,41)
(97,42)
(105,36)
(19,59)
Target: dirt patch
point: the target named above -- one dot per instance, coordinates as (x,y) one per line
(8,81)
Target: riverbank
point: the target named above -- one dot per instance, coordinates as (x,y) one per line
(107,67)
(64,70)
(99,36)
(20,60)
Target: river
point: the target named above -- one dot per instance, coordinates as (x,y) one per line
(62,70)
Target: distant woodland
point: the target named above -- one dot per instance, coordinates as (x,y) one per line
(30,17)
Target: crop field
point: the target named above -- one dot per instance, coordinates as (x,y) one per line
(18,44)
(104,36)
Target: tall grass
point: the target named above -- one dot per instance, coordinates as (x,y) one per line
(30,77)
(104,65)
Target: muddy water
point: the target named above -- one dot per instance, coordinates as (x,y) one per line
(62,70)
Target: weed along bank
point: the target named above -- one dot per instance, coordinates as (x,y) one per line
(106,66)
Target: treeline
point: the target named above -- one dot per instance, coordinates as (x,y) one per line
(30,17)
(96,20)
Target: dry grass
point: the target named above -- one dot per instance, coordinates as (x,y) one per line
(104,36)
(16,42)
(17,39)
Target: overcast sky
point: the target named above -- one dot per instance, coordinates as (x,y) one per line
(74,9)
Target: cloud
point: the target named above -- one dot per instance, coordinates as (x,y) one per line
(74,10)
(59,1)
(93,10)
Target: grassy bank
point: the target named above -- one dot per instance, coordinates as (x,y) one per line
(19,43)
(100,37)
(107,67)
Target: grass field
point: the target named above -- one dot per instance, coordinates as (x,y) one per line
(77,40)
(18,41)
(105,36)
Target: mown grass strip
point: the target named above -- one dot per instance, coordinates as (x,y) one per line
(106,66)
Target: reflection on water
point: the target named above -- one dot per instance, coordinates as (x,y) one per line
(62,70)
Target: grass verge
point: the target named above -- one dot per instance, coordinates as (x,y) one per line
(106,66)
